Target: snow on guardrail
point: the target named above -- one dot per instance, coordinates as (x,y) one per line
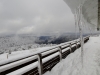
(42,57)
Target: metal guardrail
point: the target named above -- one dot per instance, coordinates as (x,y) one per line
(40,62)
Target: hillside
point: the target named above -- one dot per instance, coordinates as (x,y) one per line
(29,41)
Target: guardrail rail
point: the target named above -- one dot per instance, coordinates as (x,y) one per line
(40,62)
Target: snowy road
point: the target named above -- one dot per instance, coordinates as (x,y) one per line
(72,65)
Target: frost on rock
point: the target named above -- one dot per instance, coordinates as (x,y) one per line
(89,10)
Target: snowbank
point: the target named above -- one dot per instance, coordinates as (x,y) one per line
(72,65)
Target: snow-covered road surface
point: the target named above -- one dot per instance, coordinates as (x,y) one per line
(72,65)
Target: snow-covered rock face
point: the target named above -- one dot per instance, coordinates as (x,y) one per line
(89,10)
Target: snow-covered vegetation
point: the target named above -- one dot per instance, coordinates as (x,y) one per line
(20,42)
(11,43)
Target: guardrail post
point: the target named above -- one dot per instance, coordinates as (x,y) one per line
(40,67)
(76,44)
(60,52)
(70,45)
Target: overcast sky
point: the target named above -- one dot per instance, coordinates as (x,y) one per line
(35,16)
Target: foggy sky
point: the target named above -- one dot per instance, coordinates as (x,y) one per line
(35,16)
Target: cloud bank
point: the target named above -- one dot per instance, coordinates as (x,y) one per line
(35,16)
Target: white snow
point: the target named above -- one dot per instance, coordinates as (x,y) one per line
(20,54)
(31,66)
(72,65)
